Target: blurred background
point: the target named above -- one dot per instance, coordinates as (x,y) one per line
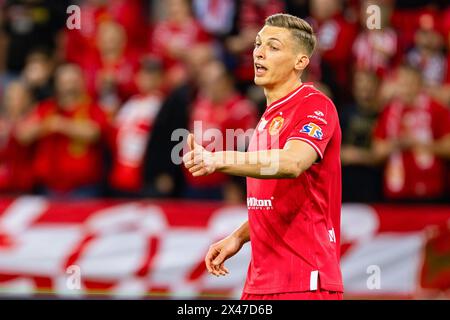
(87,111)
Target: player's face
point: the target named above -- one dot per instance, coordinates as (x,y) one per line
(274,56)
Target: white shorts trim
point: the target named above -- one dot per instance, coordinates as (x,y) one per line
(313,280)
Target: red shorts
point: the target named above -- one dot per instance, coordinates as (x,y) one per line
(306,295)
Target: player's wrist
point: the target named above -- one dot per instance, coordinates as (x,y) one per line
(238,238)
(218,162)
(241,236)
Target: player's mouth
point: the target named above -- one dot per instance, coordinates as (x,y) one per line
(260,70)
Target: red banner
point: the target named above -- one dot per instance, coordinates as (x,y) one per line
(147,249)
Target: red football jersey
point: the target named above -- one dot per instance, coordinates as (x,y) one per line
(414,173)
(133,128)
(184,36)
(295,223)
(16,174)
(61,163)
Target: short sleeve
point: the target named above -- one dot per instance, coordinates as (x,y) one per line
(315,122)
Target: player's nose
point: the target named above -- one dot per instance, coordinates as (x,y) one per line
(258,53)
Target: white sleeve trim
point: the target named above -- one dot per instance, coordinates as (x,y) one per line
(312,144)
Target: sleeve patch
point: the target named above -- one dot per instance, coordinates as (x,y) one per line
(312,130)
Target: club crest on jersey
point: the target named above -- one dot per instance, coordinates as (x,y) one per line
(312,130)
(275,125)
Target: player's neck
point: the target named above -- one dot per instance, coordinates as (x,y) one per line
(280,91)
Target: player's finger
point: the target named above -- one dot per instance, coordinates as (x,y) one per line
(196,146)
(220,258)
(200,172)
(224,269)
(189,164)
(189,156)
(215,273)
(197,156)
(214,268)
(195,168)
(208,264)
(190,141)
(210,256)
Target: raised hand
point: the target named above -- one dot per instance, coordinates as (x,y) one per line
(199,161)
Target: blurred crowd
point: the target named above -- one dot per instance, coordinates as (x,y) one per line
(90,111)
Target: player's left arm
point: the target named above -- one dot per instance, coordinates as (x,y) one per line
(291,161)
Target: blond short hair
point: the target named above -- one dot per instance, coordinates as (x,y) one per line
(300,29)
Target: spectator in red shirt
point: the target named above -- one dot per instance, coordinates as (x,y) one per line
(251,15)
(406,20)
(218,106)
(335,39)
(427,54)
(16,174)
(442,92)
(374,49)
(133,128)
(81,43)
(67,133)
(173,37)
(110,71)
(412,139)
(215,16)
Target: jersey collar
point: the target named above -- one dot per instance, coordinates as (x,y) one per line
(289,96)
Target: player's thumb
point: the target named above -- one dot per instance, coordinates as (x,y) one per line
(190,141)
(192,144)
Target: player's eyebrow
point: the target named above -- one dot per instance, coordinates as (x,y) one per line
(276,39)
(258,37)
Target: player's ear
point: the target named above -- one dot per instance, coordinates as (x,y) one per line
(301,62)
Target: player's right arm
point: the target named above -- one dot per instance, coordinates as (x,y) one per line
(224,249)
(295,157)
